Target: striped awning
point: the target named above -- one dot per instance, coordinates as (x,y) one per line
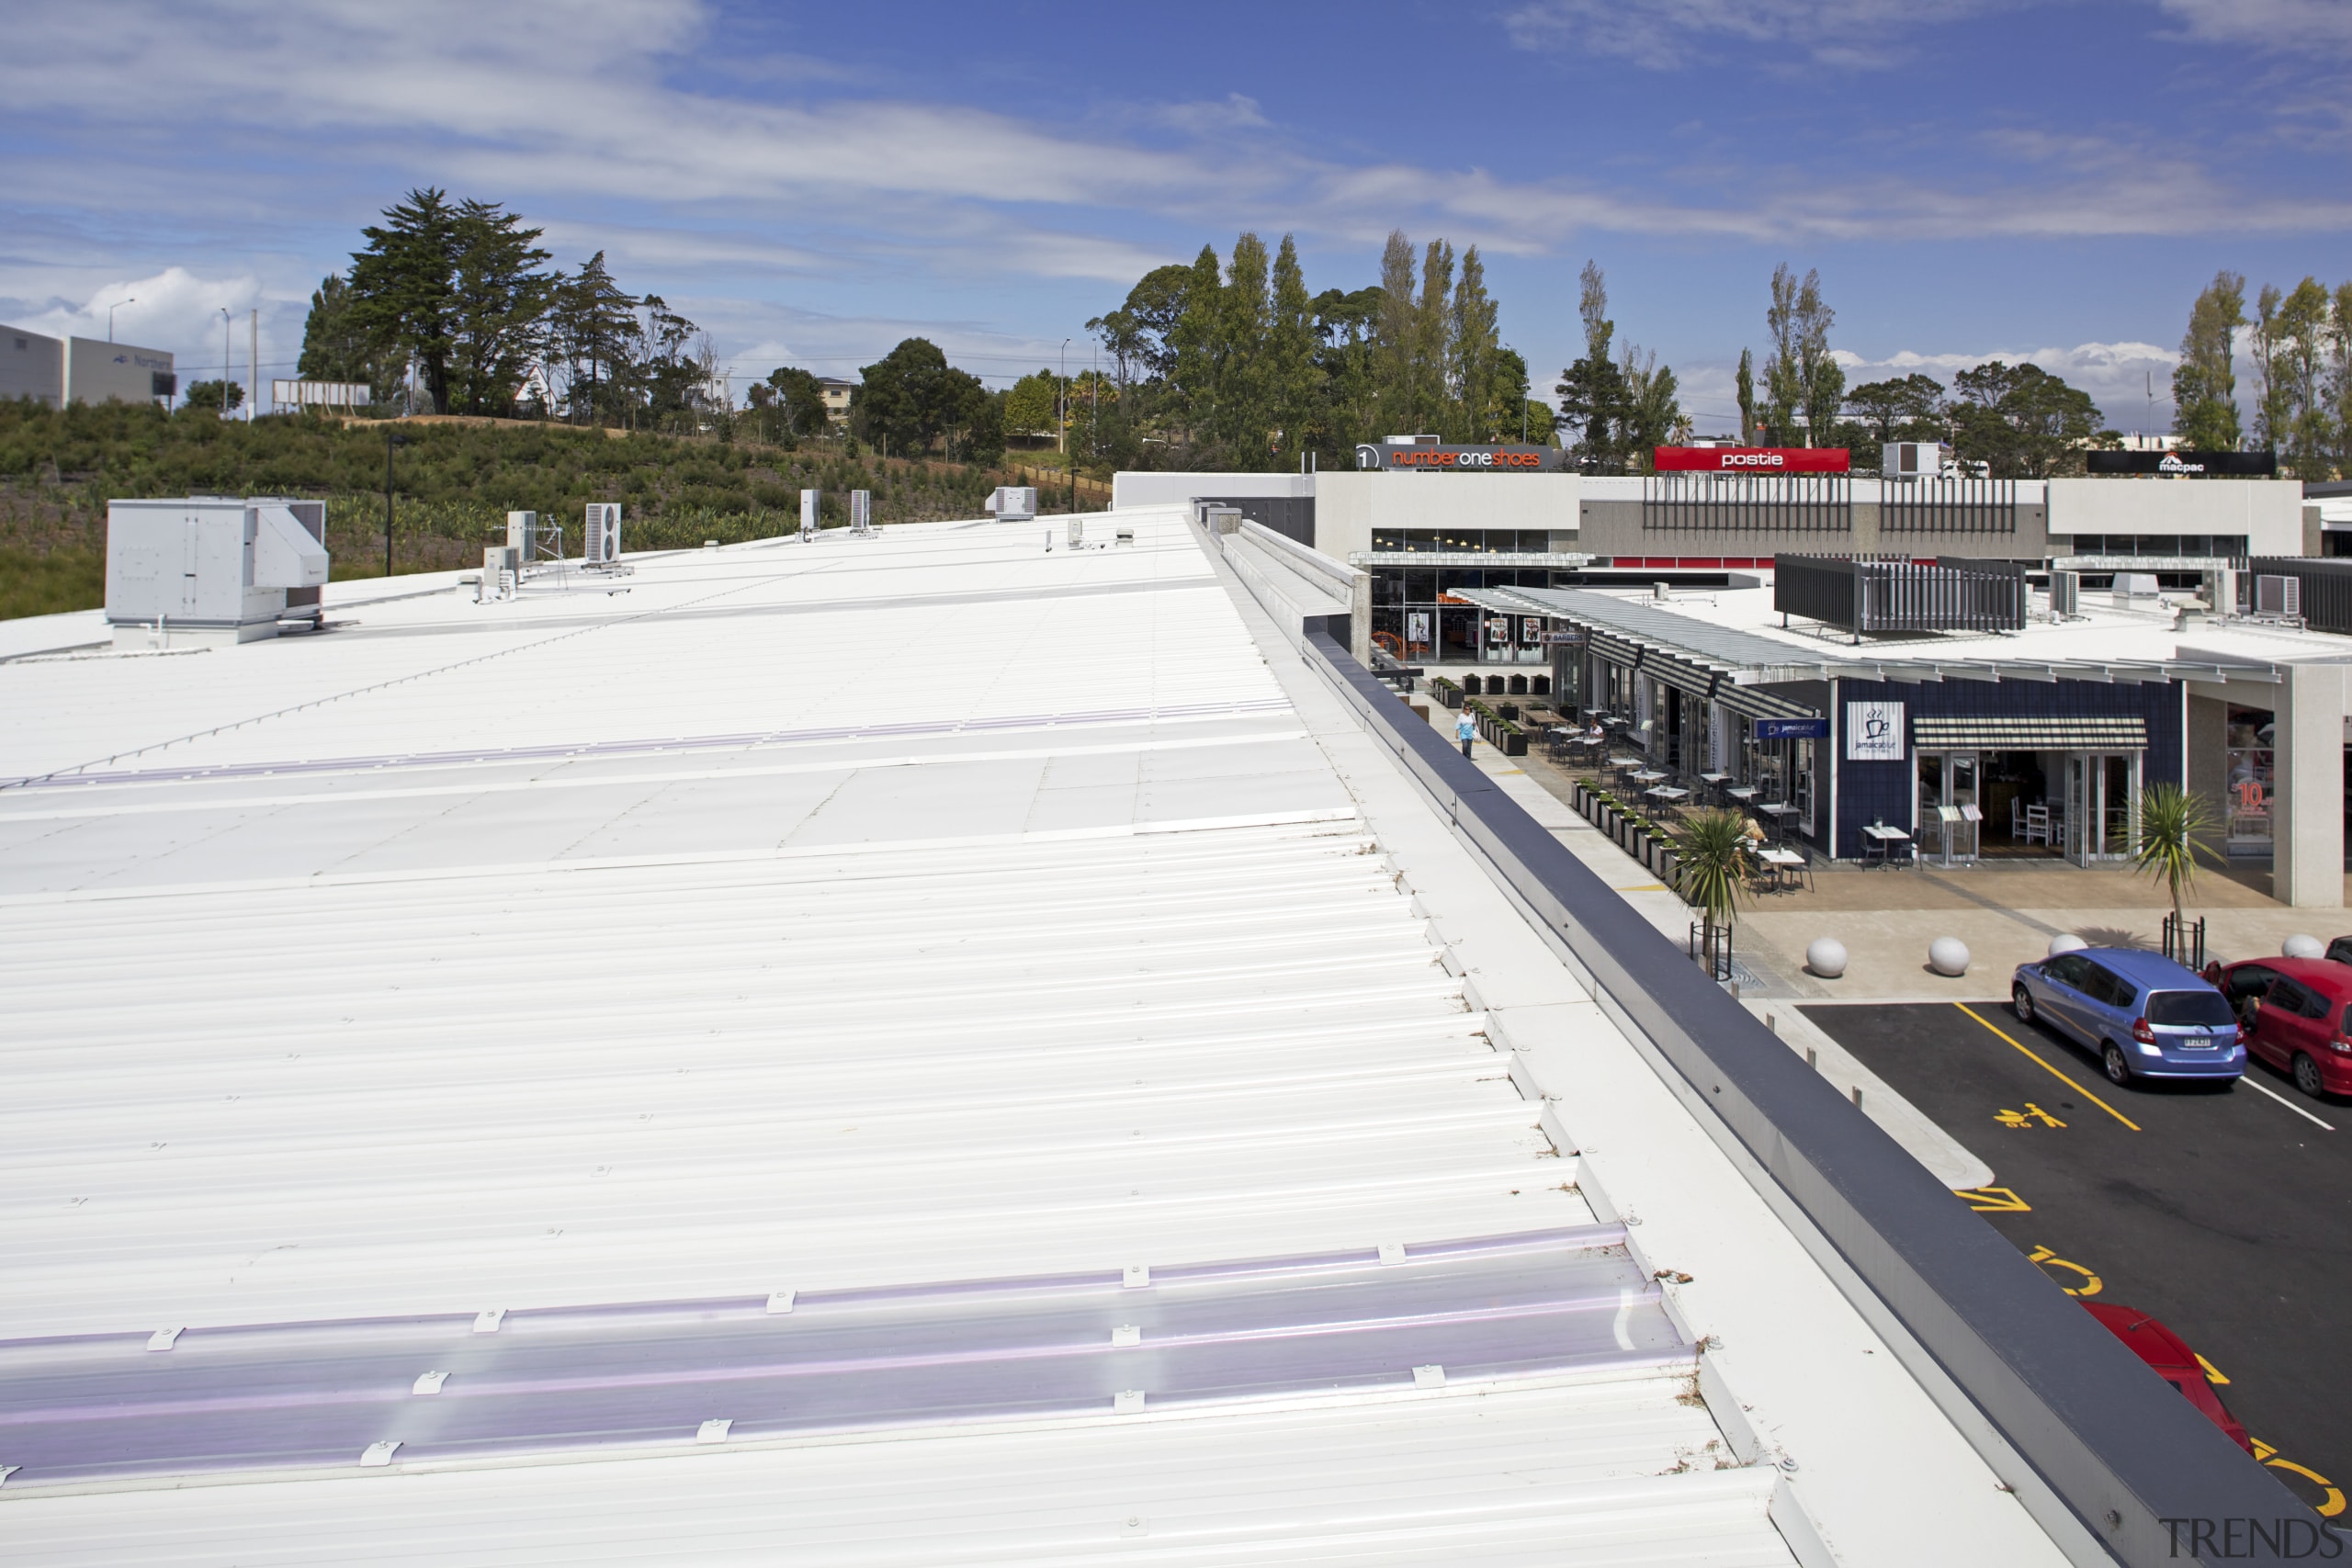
(2021,732)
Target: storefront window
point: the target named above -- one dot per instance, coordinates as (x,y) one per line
(2247,806)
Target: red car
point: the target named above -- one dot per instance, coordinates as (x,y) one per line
(2172,1359)
(2296,1014)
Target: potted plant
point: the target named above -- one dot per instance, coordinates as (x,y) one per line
(1712,872)
(2172,825)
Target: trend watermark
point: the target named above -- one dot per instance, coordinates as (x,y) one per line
(2281,1539)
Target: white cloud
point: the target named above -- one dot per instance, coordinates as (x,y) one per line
(179,311)
(2292,24)
(1664,34)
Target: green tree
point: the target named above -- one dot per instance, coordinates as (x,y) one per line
(2205,383)
(1744,387)
(2173,824)
(497,297)
(1906,408)
(800,398)
(1803,385)
(1031,405)
(401,286)
(1595,403)
(204,397)
(1432,409)
(1395,340)
(1293,379)
(1711,864)
(335,348)
(912,396)
(1489,409)
(1196,346)
(591,324)
(2297,414)
(1652,416)
(2023,421)
(1237,423)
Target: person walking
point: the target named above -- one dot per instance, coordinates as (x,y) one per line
(1465,729)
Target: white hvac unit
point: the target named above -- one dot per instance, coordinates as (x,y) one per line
(603,541)
(809,499)
(209,569)
(1013,503)
(2136,585)
(2278,596)
(2221,591)
(1911,460)
(523,536)
(2066,594)
(861,513)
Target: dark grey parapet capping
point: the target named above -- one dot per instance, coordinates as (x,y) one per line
(2098,1449)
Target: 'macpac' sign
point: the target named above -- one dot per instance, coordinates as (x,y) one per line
(1396,458)
(1752,459)
(2186,465)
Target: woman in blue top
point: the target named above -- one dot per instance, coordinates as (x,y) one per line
(1465,729)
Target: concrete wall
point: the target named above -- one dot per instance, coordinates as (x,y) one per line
(2208,766)
(1349,506)
(2269,512)
(31,366)
(2307,864)
(99,372)
(1136,488)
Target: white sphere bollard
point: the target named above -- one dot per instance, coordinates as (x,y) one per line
(1948,955)
(1825,957)
(2066,941)
(2300,946)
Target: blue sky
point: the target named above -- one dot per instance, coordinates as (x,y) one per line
(812,183)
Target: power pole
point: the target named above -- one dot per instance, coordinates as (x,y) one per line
(253,364)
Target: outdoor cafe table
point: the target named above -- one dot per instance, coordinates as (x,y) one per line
(1742,793)
(1779,811)
(1666,795)
(1781,862)
(1648,776)
(1885,838)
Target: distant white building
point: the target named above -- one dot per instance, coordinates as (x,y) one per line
(57,371)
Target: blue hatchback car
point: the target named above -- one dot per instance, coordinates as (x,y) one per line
(2142,1015)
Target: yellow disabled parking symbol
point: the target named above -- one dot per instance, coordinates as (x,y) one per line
(2051,1260)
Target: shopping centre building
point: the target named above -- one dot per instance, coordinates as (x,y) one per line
(1864,652)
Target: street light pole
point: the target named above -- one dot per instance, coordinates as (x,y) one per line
(224,361)
(112,308)
(1061,425)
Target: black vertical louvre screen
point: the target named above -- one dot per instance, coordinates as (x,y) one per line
(1862,596)
(1747,503)
(1950,505)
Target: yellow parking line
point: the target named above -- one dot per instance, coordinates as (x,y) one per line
(2052,1071)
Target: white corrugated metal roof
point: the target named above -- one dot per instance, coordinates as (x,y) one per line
(866,916)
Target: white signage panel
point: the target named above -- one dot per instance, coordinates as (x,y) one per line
(1875,732)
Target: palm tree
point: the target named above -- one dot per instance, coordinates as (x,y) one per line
(2172,821)
(1711,854)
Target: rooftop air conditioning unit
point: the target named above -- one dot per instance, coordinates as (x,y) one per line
(602,547)
(1911,460)
(2136,585)
(2066,594)
(1013,503)
(810,502)
(523,536)
(861,513)
(2221,592)
(2277,595)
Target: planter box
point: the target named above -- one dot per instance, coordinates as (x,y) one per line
(1507,710)
(1513,743)
(1542,685)
(1450,696)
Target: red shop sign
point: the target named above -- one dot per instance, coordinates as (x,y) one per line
(1753,459)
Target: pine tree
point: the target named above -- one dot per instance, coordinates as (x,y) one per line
(1433,377)
(1743,384)
(1393,337)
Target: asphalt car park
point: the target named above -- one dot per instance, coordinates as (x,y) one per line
(2224,1210)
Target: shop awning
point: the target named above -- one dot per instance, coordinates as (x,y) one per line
(2018,732)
